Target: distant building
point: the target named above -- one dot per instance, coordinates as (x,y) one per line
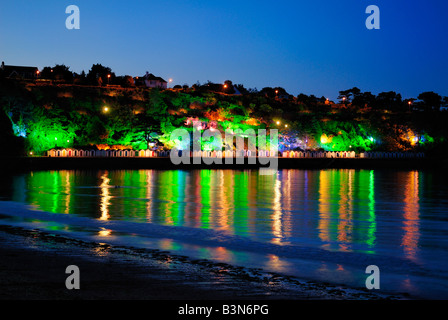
(19,72)
(151,81)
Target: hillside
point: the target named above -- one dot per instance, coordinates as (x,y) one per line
(46,115)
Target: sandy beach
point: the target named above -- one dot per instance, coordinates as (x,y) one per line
(33,267)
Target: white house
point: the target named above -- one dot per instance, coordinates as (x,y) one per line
(151,81)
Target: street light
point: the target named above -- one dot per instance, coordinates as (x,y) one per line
(106,109)
(108,77)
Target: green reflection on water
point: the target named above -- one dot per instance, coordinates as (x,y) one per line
(335,207)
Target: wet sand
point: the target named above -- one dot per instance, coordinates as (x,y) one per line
(33,264)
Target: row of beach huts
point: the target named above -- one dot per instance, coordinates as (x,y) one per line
(243,153)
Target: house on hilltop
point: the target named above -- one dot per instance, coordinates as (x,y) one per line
(151,81)
(19,72)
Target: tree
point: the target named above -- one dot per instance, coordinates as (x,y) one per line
(155,121)
(127,82)
(346,96)
(58,72)
(228,87)
(389,100)
(99,74)
(273,92)
(365,99)
(431,100)
(445,102)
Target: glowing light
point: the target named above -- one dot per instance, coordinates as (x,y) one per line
(105,109)
(323,139)
(104,232)
(105,196)
(31,153)
(278,122)
(286,126)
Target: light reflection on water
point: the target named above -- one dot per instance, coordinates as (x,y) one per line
(388,213)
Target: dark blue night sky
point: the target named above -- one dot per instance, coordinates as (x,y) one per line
(314,47)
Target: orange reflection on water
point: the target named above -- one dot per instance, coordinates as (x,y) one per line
(224,209)
(411,216)
(223,254)
(149,195)
(277,214)
(324,206)
(104,232)
(105,196)
(276,264)
(345,210)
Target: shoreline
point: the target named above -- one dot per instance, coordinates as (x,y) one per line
(33,268)
(164,163)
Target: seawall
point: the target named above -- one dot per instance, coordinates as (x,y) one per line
(164,163)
